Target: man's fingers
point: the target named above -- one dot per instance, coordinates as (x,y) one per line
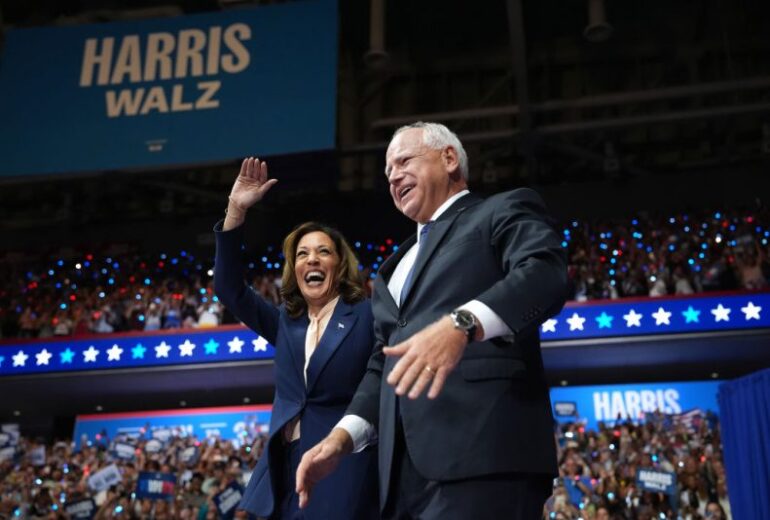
(398,370)
(410,375)
(266,186)
(244,167)
(397,350)
(262,172)
(438,382)
(423,380)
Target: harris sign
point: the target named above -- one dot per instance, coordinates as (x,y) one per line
(189,89)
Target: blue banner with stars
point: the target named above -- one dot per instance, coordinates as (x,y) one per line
(643,317)
(134,351)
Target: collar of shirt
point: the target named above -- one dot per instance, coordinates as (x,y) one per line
(441,209)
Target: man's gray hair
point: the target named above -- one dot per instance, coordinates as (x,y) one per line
(437,137)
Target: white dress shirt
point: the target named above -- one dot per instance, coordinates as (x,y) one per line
(359,429)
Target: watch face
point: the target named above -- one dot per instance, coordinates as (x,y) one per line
(464,319)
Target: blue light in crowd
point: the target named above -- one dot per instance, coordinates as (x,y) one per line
(373,276)
(101,294)
(269,265)
(264,259)
(697,268)
(612,282)
(655,458)
(613,260)
(702,255)
(635,222)
(649,249)
(251,265)
(672,220)
(360,267)
(612,272)
(17,512)
(111,281)
(609,234)
(147,281)
(174,261)
(215,299)
(639,245)
(369,247)
(691,261)
(574,223)
(687,229)
(138,296)
(379,259)
(29,274)
(764,241)
(395,248)
(115,265)
(717,215)
(277,265)
(671,247)
(610,495)
(204,299)
(104,270)
(183,253)
(50,272)
(141,317)
(704,246)
(157,300)
(601,235)
(74,286)
(732,228)
(767,233)
(603,246)
(202,290)
(87,263)
(58,285)
(60,263)
(38,481)
(564,244)
(566,232)
(375,266)
(758,229)
(108,260)
(358,245)
(163,256)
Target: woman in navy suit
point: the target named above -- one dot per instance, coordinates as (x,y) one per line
(323,338)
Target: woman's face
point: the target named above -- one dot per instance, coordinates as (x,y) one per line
(315,265)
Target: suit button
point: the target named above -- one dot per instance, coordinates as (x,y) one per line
(402,323)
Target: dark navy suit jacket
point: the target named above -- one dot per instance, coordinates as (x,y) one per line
(335,369)
(493,415)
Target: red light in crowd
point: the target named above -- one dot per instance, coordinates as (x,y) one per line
(86,470)
(98,436)
(581,429)
(382,249)
(142,265)
(161,264)
(89,257)
(55,321)
(96,314)
(31,285)
(122,290)
(703,458)
(731,259)
(72,297)
(725,224)
(602,259)
(132,279)
(749,219)
(616,433)
(389,241)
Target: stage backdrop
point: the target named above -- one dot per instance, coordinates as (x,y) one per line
(190,89)
(594,404)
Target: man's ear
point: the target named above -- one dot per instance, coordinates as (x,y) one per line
(450,159)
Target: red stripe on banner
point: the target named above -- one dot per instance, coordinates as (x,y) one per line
(174,413)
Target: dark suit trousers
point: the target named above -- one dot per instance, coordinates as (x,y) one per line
(513,496)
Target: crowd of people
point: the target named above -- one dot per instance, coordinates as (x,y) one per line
(599,470)
(597,479)
(642,256)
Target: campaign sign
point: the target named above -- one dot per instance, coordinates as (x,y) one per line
(81,509)
(156,486)
(656,481)
(188,456)
(565,409)
(153,446)
(228,500)
(610,403)
(36,456)
(124,451)
(162,434)
(105,478)
(190,89)
(5,439)
(12,430)
(7,453)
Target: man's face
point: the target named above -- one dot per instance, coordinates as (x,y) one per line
(420,178)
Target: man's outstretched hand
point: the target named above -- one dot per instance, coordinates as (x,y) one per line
(319,461)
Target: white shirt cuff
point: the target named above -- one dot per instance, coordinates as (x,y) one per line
(360,430)
(493,325)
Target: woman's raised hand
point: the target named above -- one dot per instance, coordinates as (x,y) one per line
(252,184)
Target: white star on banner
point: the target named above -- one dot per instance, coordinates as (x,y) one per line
(89,356)
(751,311)
(235,345)
(186,348)
(576,322)
(662,316)
(162,350)
(20,359)
(633,319)
(113,354)
(43,357)
(550,325)
(260,344)
(721,313)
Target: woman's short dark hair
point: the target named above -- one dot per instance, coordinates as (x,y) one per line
(348,279)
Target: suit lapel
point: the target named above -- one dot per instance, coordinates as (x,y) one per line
(386,271)
(297,333)
(435,237)
(340,325)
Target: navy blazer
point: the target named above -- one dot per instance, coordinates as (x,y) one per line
(493,415)
(335,369)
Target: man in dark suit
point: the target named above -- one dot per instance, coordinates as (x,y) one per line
(460,305)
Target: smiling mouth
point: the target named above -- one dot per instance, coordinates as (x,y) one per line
(404,191)
(315,278)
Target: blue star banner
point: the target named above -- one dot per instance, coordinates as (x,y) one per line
(648,316)
(134,350)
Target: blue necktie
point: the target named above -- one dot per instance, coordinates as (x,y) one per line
(408,282)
